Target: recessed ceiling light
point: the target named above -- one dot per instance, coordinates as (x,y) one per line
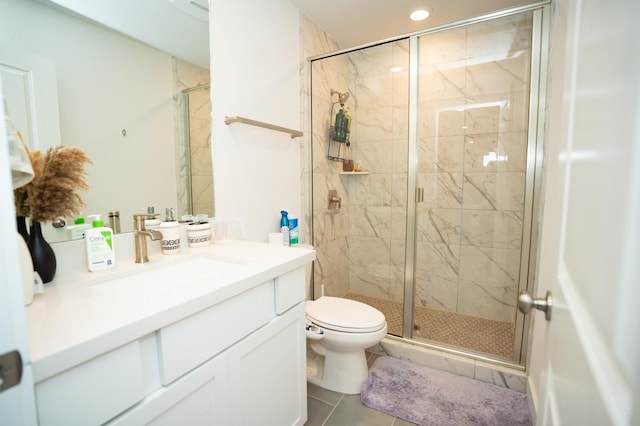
(419,14)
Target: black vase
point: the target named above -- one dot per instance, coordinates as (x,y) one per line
(22,227)
(43,256)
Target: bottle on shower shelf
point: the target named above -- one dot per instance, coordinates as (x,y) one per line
(339,125)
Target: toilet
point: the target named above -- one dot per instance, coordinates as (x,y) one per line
(338,331)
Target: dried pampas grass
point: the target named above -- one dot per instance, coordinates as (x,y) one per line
(53,191)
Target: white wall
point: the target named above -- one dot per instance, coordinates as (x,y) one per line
(254,74)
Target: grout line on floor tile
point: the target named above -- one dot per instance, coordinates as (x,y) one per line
(334,409)
(322,400)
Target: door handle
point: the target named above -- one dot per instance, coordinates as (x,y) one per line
(10,370)
(526,303)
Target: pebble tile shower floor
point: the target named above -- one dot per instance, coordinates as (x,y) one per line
(461,331)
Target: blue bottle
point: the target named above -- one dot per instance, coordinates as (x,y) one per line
(284,228)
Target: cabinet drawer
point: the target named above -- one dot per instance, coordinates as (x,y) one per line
(92,392)
(188,343)
(290,290)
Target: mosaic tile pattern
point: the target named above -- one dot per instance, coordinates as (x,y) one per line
(460,331)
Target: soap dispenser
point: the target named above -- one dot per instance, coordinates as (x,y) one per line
(99,244)
(77,230)
(170,229)
(151,221)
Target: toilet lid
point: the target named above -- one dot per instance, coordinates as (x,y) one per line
(347,315)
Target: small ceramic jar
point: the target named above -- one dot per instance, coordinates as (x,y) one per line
(199,234)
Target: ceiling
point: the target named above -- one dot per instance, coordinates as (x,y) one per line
(356,22)
(180,27)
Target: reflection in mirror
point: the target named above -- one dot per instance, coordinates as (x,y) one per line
(119,100)
(195,164)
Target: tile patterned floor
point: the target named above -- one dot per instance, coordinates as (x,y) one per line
(328,408)
(456,330)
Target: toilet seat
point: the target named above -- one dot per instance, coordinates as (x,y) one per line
(350,316)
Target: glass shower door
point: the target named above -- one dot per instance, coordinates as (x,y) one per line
(473,104)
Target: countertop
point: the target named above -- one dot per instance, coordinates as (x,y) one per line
(84,314)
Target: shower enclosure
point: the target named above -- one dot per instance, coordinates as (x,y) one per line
(195,168)
(436,228)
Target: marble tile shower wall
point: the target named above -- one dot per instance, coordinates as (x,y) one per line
(377,201)
(330,227)
(474,98)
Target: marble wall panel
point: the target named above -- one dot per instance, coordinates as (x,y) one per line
(400,130)
(373,61)
(372,280)
(442,190)
(398,190)
(442,154)
(370,221)
(330,227)
(371,124)
(373,189)
(399,222)
(442,118)
(510,149)
(499,300)
(500,36)
(504,76)
(400,153)
(494,191)
(372,90)
(497,112)
(487,228)
(374,156)
(489,265)
(438,225)
(444,47)
(441,81)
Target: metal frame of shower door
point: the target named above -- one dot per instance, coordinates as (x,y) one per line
(533,176)
(412,180)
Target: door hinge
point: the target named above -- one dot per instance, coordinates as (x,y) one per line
(419,195)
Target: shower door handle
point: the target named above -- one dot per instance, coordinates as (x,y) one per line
(526,303)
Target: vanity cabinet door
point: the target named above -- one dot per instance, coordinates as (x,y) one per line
(92,392)
(267,373)
(200,397)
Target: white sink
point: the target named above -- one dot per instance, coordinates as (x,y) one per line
(199,272)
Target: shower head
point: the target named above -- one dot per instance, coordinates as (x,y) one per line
(342,97)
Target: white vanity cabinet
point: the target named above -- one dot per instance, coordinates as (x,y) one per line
(239,361)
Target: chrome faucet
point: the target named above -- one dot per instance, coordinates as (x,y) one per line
(140,236)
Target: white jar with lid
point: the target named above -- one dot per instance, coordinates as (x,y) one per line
(199,234)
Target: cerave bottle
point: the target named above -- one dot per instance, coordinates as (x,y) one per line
(100,247)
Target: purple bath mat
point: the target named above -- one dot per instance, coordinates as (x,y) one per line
(426,396)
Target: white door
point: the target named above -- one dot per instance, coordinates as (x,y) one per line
(16,403)
(585,360)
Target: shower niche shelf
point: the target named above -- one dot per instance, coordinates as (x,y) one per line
(355,173)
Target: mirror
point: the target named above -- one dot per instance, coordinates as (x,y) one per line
(141,114)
